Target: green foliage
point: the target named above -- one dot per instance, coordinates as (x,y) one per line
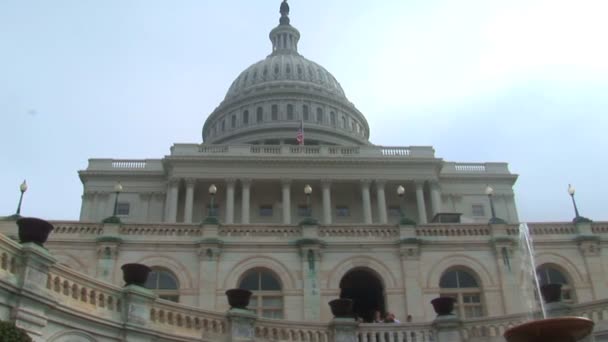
(10,333)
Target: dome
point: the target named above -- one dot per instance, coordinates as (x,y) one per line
(282,94)
(285,67)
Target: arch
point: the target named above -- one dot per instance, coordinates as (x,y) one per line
(71,336)
(365,287)
(563,264)
(451,261)
(177,268)
(381,270)
(280,270)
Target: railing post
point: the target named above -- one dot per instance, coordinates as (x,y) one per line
(138,302)
(30,311)
(241,325)
(344,329)
(447,329)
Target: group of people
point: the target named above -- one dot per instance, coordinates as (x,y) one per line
(388,318)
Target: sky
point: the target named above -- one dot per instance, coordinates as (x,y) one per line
(520,81)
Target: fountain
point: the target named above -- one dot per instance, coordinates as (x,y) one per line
(558,329)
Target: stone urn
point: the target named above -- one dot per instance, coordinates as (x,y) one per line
(551,293)
(135,274)
(341,308)
(560,329)
(34,230)
(443,306)
(238,298)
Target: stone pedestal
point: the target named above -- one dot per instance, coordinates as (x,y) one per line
(138,302)
(447,328)
(30,311)
(345,329)
(241,325)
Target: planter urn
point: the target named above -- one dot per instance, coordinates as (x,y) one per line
(34,230)
(135,274)
(341,308)
(443,306)
(560,329)
(238,298)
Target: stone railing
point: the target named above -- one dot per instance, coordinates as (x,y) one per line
(370,231)
(154,165)
(247,231)
(182,320)
(465,230)
(313,151)
(389,332)
(474,168)
(77,228)
(160,229)
(267,330)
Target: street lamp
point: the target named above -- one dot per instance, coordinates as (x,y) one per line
(308,220)
(17,215)
(577,218)
(490,193)
(114,218)
(211,218)
(403,220)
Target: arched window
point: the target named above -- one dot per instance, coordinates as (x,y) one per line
(267,298)
(549,274)
(463,287)
(343,121)
(164,284)
(332,118)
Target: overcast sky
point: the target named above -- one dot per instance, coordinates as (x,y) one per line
(520,81)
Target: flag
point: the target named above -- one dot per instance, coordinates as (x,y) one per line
(300,134)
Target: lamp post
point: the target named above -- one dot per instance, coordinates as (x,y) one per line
(577,218)
(114,218)
(308,220)
(211,217)
(490,193)
(403,220)
(23,189)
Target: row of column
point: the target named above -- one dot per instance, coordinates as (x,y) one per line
(173,195)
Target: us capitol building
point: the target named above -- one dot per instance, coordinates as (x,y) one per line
(288,198)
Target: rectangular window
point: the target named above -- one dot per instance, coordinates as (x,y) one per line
(304,210)
(260,115)
(332,117)
(319,115)
(246,117)
(275,112)
(305,112)
(478,210)
(342,211)
(394,210)
(123,208)
(266,210)
(223,125)
(233,121)
(215,211)
(289,112)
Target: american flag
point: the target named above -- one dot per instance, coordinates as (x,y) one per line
(300,134)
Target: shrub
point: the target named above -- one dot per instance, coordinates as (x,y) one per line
(10,333)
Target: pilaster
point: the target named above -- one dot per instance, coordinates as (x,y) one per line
(381,199)
(409,253)
(241,325)
(107,254)
(246,184)
(366,201)
(311,251)
(209,252)
(138,302)
(230,183)
(326,194)
(190,183)
(422,216)
(591,249)
(286,194)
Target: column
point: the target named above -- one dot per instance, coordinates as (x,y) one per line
(246,183)
(145,198)
(190,182)
(172,197)
(310,256)
(230,200)
(367,206)
(381,199)
(410,266)
(102,201)
(420,202)
(435,198)
(326,192)
(208,257)
(85,206)
(286,190)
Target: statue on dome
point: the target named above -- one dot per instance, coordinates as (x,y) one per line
(284,8)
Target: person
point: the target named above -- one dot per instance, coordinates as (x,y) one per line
(378,317)
(390,318)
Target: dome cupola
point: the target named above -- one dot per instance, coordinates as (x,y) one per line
(271,99)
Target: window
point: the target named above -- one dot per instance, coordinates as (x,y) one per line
(266,210)
(478,210)
(548,274)
(332,118)
(233,121)
(215,211)
(267,298)
(304,211)
(342,211)
(275,112)
(305,112)
(463,287)
(246,117)
(343,121)
(260,114)
(352,126)
(319,115)
(123,208)
(223,125)
(289,112)
(163,283)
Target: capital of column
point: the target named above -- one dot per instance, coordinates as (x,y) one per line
(286,181)
(326,183)
(173,181)
(380,183)
(159,195)
(419,183)
(190,181)
(365,183)
(230,181)
(245,181)
(88,195)
(145,195)
(434,184)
